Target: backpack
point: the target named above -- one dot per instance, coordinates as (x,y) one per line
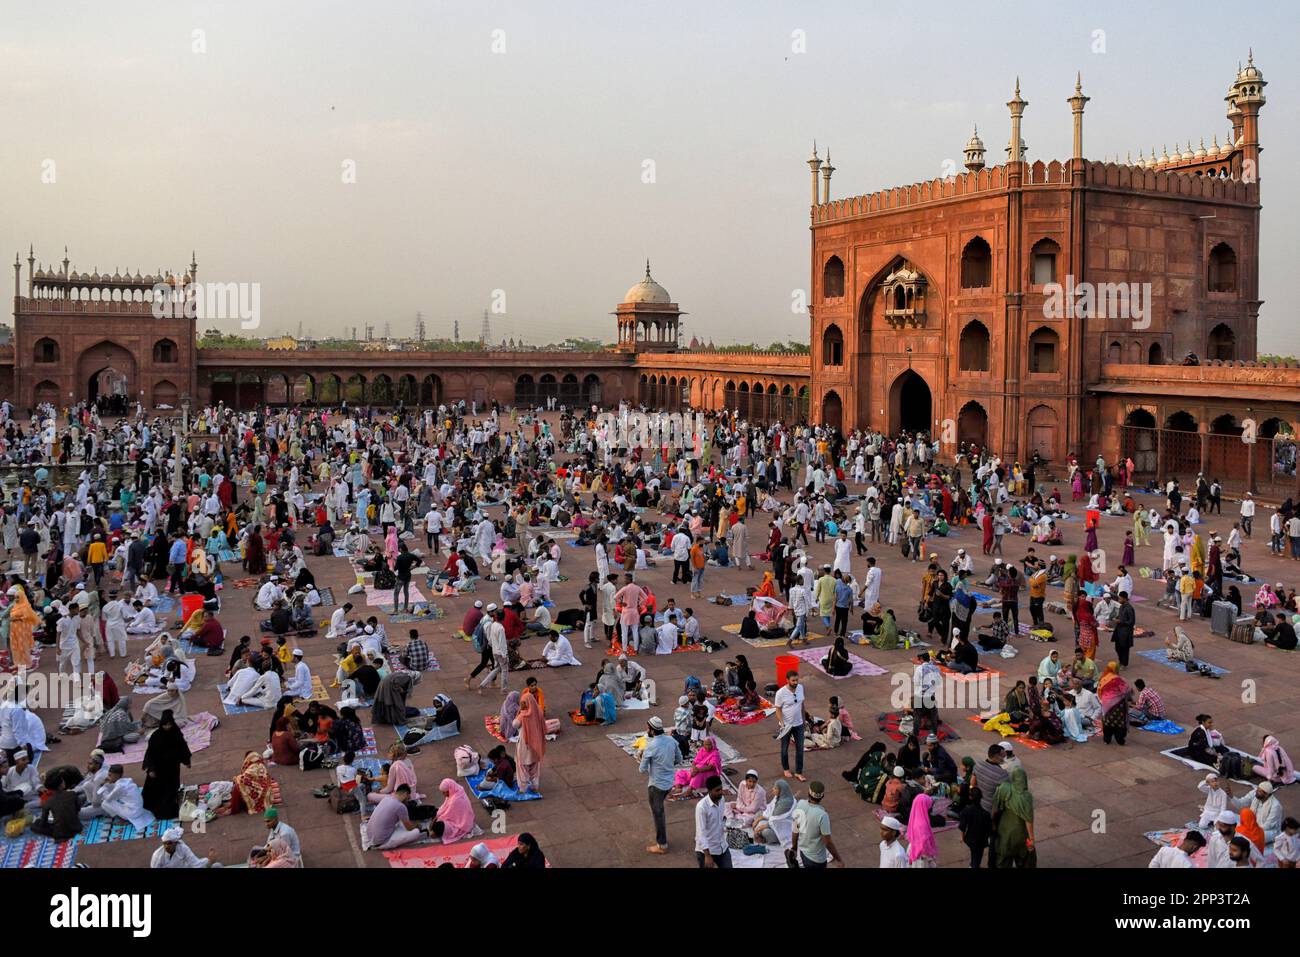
(344,802)
(311,757)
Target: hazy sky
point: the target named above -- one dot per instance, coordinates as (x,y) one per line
(523,170)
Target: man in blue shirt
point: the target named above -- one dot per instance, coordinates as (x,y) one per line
(843,602)
(660,757)
(176,564)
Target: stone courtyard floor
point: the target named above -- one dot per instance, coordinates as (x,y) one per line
(1093,802)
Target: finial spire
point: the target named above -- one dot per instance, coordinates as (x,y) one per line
(1078,82)
(647,267)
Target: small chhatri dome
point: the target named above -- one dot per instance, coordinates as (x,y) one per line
(975,143)
(647,290)
(1251,72)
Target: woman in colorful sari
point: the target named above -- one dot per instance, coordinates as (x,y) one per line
(455,818)
(706,763)
(219,549)
(1114,694)
(390,545)
(531,747)
(22,619)
(1248,827)
(887,637)
(1045,725)
(1086,623)
(921,850)
(253,791)
(1013,815)
(767,589)
(1274,764)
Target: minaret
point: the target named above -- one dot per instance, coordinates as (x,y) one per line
(18,276)
(194,267)
(65,262)
(1076,107)
(31,271)
(974,151)
(1248,97)
(827,169)
(1016,149)
(814,164)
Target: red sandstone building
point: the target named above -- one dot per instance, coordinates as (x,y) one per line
(935,307)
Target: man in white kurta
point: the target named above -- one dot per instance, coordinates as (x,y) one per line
(241,683)
(119,796)
(558,652)
(114,616)
(843,554)
(300,684)
(264,693)
(175,853)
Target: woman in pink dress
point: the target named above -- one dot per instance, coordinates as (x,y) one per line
(706,763)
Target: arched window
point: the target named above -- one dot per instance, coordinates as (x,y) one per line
(1043,346)
(1222,344)
(1155,355)
(1223,269)
(833,346)
(1043,262)
(47,350)
(1226,424)
(976,265)
(1181,422)
(973,353)
(833,279)
(1115,353)
(1140,418)
(164,350)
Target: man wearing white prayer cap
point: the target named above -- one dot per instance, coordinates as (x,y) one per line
(176,853)
(893,853)
(1225,829)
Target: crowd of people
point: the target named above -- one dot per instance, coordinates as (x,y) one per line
(160,525)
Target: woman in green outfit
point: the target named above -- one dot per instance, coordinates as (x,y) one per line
(1013,821)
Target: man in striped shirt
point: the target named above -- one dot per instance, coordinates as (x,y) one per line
(1150,706)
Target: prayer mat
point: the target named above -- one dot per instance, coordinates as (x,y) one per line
(907,641)
(728,711)
(371,750)
(107,830)
(32,850)
(418,611)
(341,552)
(395,662)
(376,597)
(236,708)
(1163,726)
(166,605)
(318,691)
(1158,656)
(197,734)
(1173,836)
(633,744)
(433,734)
(849,736)
(1247,761)
(326,596)
(888,724)
(244,582)
(1018,738)
(6,663)
(984,672)
(531,664)
(732,600)
(454,854)
(499,790)
(939,807)
(861,667)
(493,724)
